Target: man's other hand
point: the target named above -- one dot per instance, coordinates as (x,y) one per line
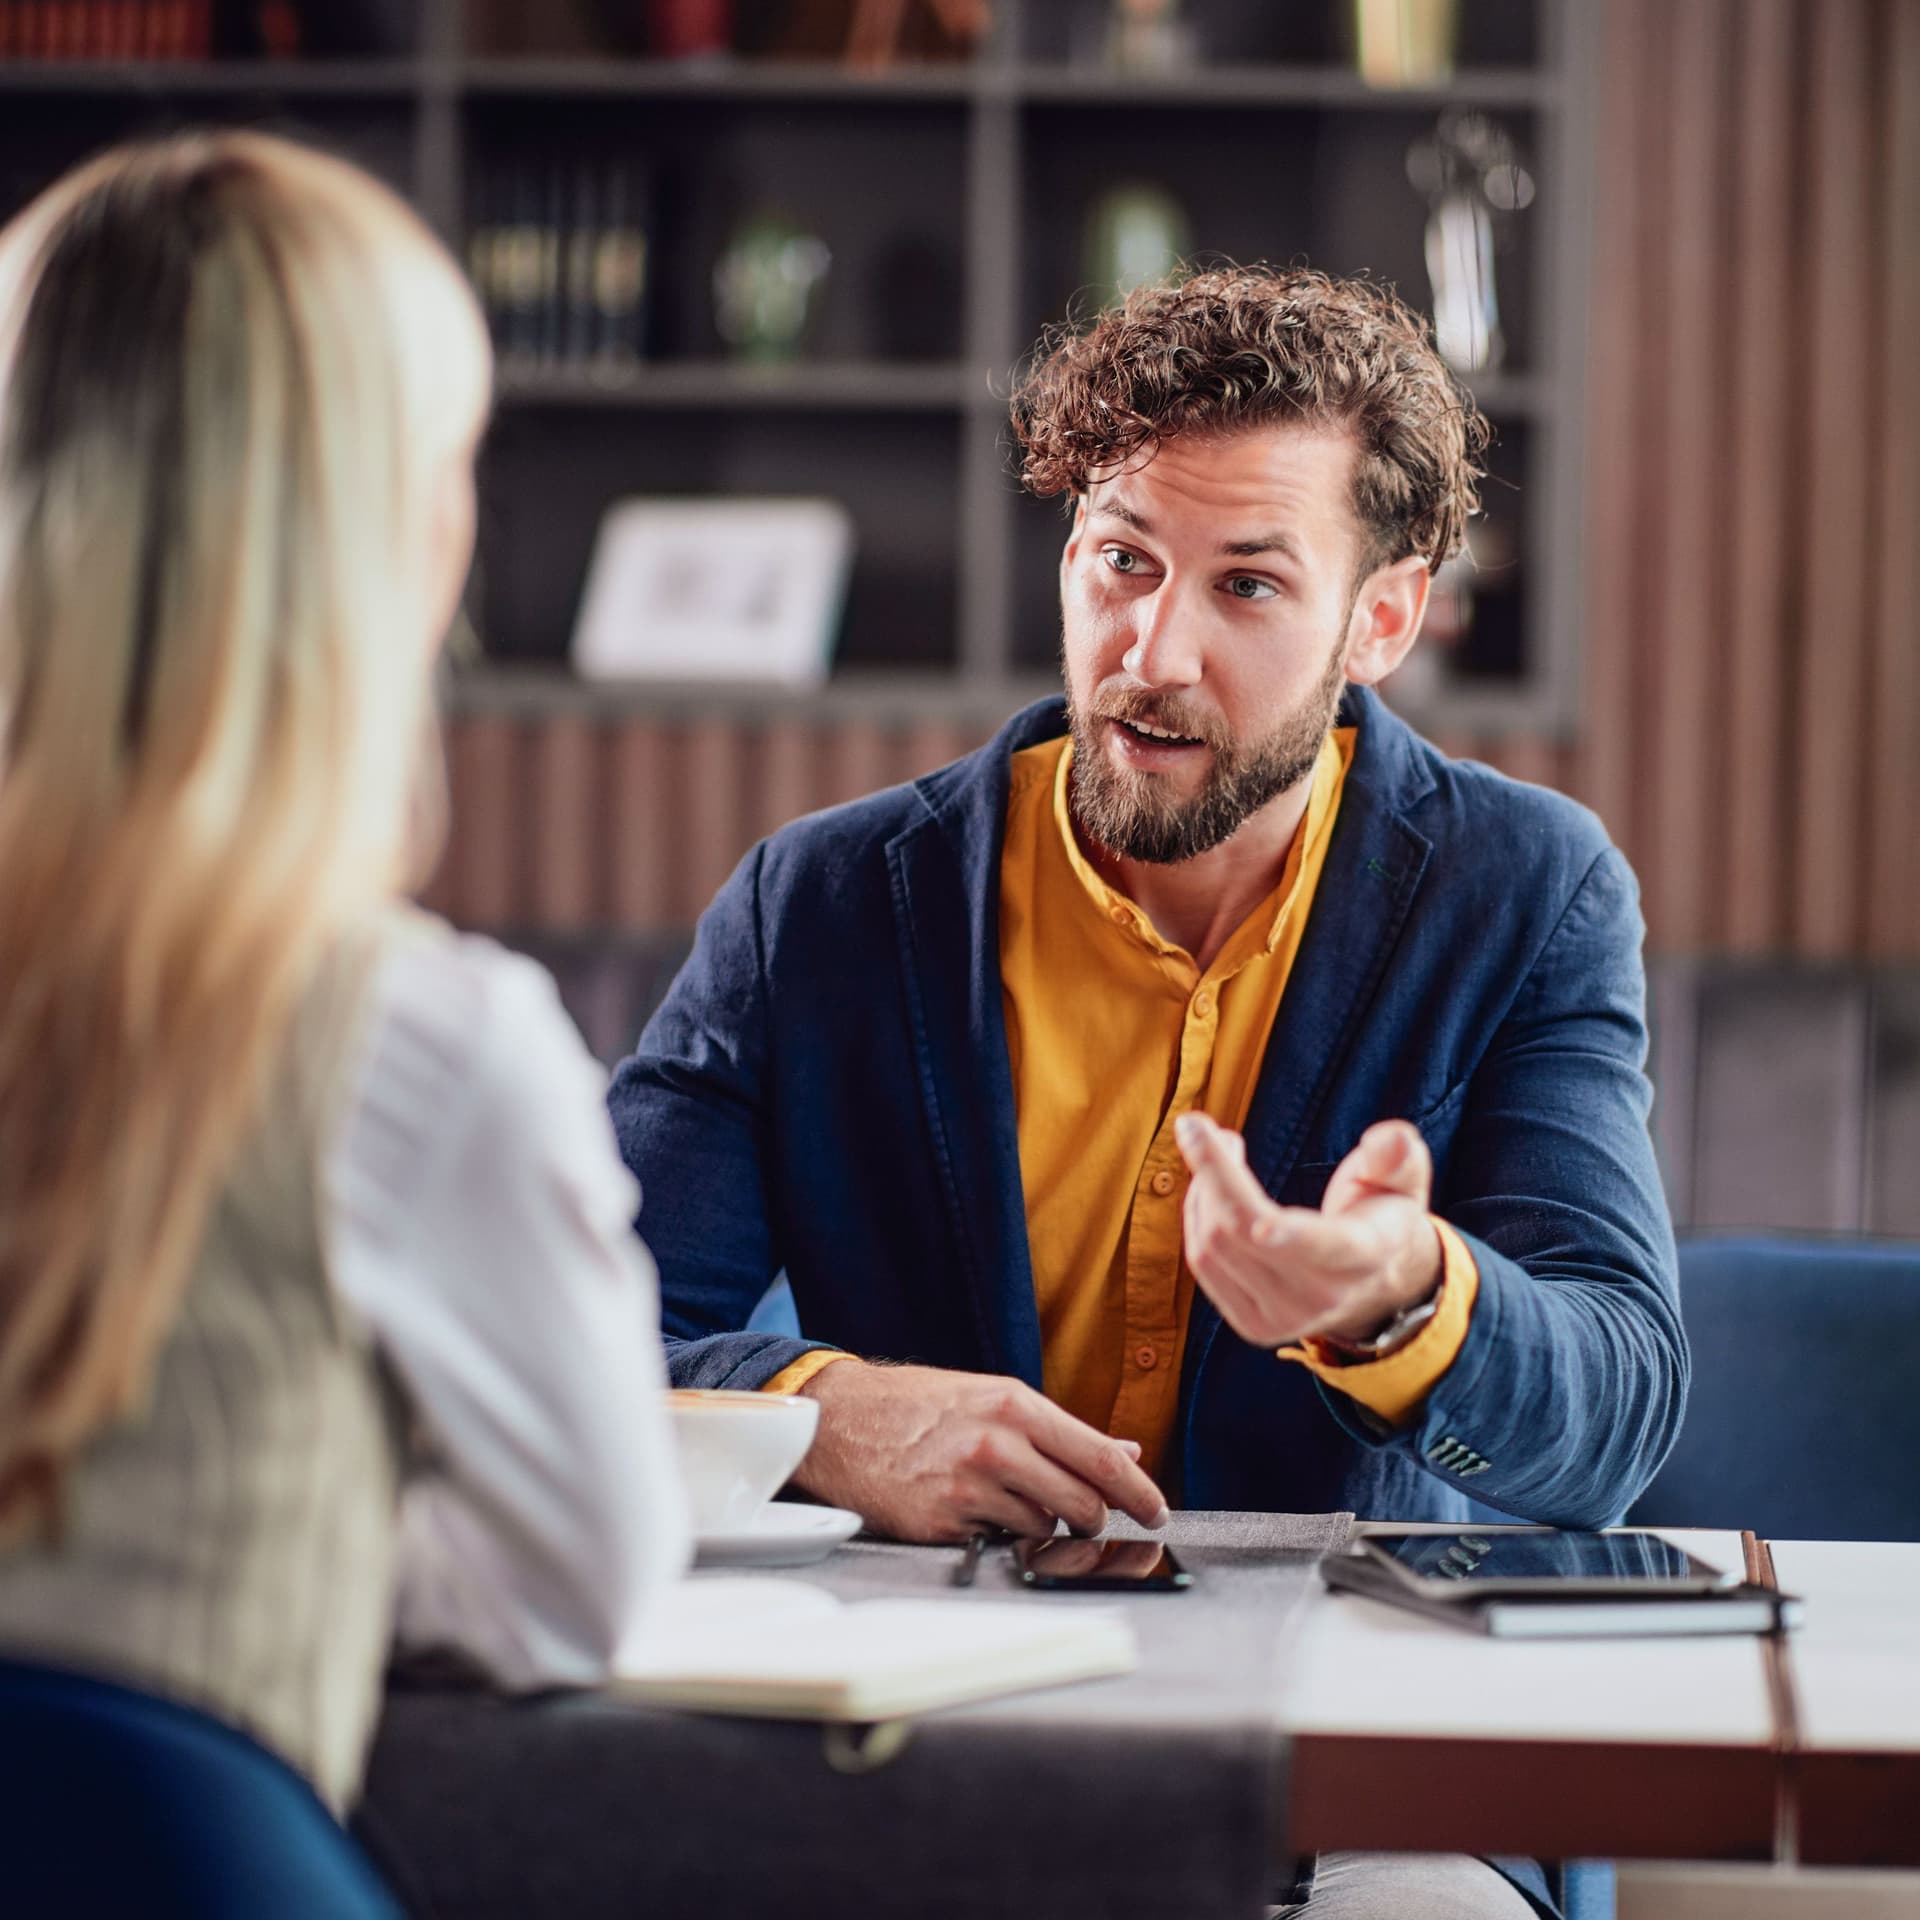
(1342,1270)
(921,1453)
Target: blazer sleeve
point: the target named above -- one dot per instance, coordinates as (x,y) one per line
(1570,1385)
(691,1111)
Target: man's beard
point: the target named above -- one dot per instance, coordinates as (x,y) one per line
(1132,813)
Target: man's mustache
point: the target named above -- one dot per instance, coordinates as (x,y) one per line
(1158,710)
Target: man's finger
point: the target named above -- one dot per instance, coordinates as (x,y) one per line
(1213,1152)
(1001,1507)
(1035,1477)
(1390,1157)
(1101,1463)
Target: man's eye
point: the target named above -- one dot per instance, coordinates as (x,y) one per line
(1243,586)
(1120,560)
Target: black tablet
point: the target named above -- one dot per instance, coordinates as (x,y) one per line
(1530,1562)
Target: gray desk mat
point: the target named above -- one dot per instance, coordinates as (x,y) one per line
(1150,1794)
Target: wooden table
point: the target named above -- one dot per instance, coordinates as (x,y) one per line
(1407,1734)
(1854,1768)
(1267,1716)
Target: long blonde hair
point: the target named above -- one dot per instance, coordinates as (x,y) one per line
(232,374)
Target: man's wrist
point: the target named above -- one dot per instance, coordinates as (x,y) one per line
(1403,1326)
(799,1376)
(822,1365)
(1410,1304)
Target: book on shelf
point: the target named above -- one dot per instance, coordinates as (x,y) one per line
(785,1650)
(559,257)
(106,29)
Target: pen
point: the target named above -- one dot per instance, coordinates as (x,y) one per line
(970,1559)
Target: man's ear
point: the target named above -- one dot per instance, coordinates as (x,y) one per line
(1387,613)
(1073,538)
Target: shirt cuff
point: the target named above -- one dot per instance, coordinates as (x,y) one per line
(1394,1387)
(791,1379)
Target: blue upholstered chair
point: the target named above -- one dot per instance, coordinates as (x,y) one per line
(1804,1419)
(113,1802)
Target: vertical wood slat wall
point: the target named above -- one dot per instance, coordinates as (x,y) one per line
(1752,725)
(1750,722)
(564,821)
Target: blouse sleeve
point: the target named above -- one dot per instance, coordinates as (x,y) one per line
(480,1226)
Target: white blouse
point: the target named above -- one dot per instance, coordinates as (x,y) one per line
(480,1223)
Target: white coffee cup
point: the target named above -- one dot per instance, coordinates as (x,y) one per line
(737,1450)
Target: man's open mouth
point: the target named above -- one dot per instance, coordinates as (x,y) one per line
(1154,736)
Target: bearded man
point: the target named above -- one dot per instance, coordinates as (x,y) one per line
(1220,1095)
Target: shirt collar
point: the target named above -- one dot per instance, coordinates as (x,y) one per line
(1262,930)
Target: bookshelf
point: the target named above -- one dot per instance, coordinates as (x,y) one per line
(953,198)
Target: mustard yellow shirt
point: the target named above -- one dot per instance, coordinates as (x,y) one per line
(1112,1034)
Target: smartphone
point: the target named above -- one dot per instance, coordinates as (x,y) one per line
(1533,1561)
(1099,1566)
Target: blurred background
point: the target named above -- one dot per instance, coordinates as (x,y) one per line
(759,273)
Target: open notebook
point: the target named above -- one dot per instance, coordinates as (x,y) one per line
(791,1651)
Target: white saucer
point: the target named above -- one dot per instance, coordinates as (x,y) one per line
(784,1534)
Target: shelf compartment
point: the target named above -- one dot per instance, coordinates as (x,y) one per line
(1331,189)
(547,476)
(42,135)
(1249,32)
(884,190)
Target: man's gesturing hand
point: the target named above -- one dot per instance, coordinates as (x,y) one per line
(924,1454)
(1280,1273)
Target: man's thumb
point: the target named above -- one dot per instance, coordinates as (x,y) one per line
(1395,1156)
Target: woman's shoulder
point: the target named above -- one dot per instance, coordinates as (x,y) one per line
(466,1048)
(459,995)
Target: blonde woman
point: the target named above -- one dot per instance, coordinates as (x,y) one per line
(317,1282)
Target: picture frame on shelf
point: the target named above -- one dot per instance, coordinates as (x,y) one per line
(740,591)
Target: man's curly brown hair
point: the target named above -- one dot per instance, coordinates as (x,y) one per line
(1238,347)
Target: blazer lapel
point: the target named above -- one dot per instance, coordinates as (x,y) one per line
(945,874)
(1374,867)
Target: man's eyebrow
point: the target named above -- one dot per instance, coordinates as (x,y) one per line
(1283,544)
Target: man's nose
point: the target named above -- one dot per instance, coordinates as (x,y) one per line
(1164,652)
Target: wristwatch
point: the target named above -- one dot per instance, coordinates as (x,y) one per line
(1391,1338)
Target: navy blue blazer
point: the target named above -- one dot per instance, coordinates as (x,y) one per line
(826,1090)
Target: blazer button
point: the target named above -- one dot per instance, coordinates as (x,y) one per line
(1162,1183)
(1145,1357)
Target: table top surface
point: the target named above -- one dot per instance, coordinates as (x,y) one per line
(1856,1658)
(1364,1668)
(1267,1714)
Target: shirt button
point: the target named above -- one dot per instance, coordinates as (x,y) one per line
(1145,1358)
(1162,1183)
(1203,1003)
(1121,917)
